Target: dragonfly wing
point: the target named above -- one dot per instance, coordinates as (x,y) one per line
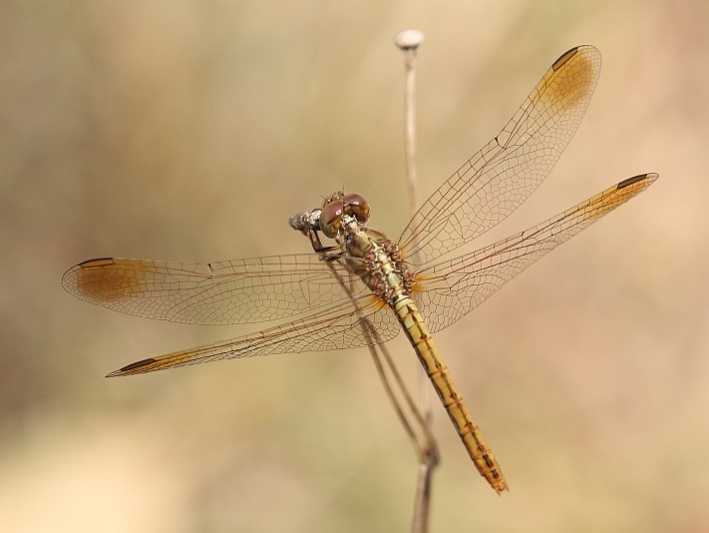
(226,292)
(496,180)
(451,289)
(335,328)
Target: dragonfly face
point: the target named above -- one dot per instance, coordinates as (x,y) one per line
(336,297)
(338,209)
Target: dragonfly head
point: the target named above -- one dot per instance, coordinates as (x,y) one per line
(338,206)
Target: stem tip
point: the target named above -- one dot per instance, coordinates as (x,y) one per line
(409,39)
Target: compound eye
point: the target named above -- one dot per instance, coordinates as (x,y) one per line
(331,218)
(356,205)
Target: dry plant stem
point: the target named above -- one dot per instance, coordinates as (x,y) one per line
(409,42)
(416,428)
(410,48)
(410,131)
(415,424)
(412,180)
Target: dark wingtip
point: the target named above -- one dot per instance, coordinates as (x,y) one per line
(98,262)
(128,369)
(564,58)
(649,177)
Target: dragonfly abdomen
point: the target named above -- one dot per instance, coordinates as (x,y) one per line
(427,352)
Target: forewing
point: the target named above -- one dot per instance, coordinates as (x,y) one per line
(451,289)
(496,180)
(226,292)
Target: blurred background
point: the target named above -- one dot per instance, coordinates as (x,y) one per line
(191,131)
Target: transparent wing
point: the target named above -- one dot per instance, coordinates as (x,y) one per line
(335,328)
(496,180)
(451,289)
(227,292)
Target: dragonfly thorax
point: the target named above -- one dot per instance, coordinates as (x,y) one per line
(377,261)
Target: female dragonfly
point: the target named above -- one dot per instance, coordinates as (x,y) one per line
(366,288)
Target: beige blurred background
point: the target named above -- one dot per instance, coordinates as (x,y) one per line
(192,131)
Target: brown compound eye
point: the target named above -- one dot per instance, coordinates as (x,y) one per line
(356,205)
(331,218)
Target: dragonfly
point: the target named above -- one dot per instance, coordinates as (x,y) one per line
(365,288)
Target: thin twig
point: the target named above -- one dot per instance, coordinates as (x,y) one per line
(406,410)
(409,41)
(416,425)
